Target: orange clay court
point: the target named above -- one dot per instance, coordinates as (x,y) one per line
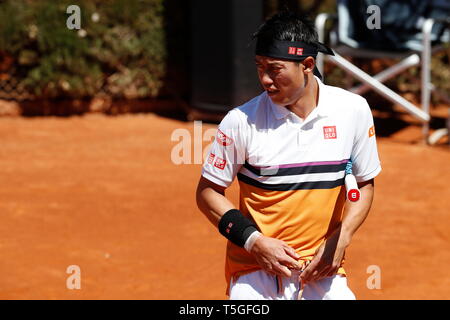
(102,193)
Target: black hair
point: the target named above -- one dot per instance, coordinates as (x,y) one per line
(286,26)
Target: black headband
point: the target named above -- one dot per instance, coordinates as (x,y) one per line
(291,50)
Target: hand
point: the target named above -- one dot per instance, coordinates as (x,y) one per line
(275,256)
(327,259)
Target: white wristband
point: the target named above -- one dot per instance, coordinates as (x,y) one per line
(251,240)
(353,193)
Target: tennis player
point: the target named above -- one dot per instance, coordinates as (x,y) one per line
(289,148)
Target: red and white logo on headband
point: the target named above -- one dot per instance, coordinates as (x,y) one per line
(223,139)
(295,51)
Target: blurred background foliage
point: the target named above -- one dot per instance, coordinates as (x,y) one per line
(137,49)
(120,48)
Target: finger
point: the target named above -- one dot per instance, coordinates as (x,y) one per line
(291,252)
(266,265)
(332,272)
(282,270)
(323,272)
(313,270)
(311,278)
(306,264)
(271,272)
(290,263)
(269,269)
(307,273)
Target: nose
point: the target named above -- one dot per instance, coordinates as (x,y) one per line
(265,79)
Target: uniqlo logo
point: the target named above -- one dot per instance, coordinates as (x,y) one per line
(223,139)
(211,158)
(329,132)
(220,163)
(295,51)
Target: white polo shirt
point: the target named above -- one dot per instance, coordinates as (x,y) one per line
(267,135)
(291,172)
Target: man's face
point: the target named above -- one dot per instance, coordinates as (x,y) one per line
(283,80)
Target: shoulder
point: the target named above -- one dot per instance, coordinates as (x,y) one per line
(246,113)
(341,100)
(342,95)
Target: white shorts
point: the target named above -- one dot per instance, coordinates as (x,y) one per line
(260,285)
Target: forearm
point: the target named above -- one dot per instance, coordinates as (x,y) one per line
(272,255)
(217,208)
(212,203)
(356,212)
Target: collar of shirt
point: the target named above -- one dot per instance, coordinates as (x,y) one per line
(281,112)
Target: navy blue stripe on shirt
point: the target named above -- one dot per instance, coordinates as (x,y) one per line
(307,185)
(290,170)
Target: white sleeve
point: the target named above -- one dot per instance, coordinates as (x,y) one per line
(366,164)
(227,153)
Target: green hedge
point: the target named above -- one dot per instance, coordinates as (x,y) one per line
(120,48)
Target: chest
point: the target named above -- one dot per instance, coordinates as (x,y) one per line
(321,139)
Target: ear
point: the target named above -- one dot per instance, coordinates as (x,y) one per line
(309,64)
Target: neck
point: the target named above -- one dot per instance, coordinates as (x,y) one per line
(308,101)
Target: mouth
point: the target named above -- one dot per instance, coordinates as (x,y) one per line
(272,92)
